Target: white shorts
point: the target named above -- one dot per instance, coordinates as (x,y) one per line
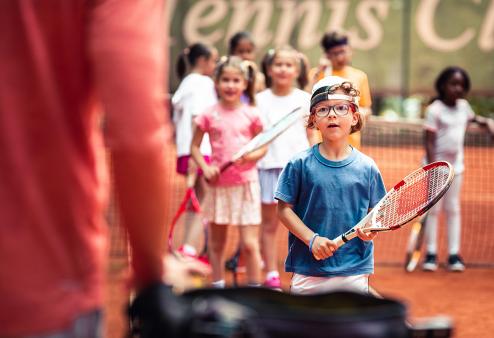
(309,285)
(268,178)
(235,205)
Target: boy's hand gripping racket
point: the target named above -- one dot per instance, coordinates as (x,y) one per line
(411,197)
(265,137)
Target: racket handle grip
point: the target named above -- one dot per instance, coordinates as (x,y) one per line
(226,166)
(342,239)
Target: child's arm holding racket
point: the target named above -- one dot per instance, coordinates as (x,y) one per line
(253,156)
(211,172)
(320,247)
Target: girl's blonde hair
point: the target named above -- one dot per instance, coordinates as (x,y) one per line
(300,63)
(347,89)
(247,68)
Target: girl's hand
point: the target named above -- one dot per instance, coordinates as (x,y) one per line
(211,173)
(366,236)
(323,248)
(191,166)
(240,161)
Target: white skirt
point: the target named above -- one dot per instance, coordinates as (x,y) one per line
(234,205)
(268,178)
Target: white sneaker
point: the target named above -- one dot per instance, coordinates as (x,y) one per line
(430,263)
(455,263)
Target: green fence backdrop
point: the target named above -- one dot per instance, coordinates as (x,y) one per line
(400,44)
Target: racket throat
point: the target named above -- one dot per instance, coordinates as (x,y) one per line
(350,234)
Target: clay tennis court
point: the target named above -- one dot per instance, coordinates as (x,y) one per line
(467,298)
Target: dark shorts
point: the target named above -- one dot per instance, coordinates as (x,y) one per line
(183,164)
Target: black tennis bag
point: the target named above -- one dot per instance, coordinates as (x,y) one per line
(263,313)
(260,312)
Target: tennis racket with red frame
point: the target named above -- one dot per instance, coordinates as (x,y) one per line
(189,203)
(409,198)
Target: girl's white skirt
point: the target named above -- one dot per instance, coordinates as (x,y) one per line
(235,205)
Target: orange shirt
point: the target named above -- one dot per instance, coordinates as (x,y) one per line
(58,57)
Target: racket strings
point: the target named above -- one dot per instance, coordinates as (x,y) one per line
(420,189)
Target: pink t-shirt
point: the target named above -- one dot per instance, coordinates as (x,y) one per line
(229,130)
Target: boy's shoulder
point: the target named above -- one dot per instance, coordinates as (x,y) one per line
(303,155)
(364,159)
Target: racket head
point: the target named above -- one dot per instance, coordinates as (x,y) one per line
(189,202)
(412,196)
(270,134)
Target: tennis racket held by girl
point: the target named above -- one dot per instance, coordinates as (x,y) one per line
(265,137)
(189,202)
(409,198)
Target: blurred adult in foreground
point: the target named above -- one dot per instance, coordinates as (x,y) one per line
(60,61)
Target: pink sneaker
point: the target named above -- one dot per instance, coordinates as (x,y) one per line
(273,283)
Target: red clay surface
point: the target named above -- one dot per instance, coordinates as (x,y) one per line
(468,298)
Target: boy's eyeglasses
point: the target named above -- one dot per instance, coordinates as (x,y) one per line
(338,109)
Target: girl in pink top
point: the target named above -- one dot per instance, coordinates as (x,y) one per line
(234,195)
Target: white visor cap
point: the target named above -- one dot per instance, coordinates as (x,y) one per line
(321,88)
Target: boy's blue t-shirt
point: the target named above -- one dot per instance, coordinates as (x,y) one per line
(330,198)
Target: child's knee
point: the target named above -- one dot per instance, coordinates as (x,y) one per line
(216,247)
(250,247)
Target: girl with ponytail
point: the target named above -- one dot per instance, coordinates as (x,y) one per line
(195,66)
(234,196)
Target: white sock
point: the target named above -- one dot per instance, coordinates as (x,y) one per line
(253,285)
(189,250)
(272,274)
(219,284)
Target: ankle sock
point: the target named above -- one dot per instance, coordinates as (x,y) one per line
(272,274)
(219,284)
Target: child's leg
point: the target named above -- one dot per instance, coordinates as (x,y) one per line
(453,215)
(216,250)
(431,228)
(269,226)
(193,232)
(249,239)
